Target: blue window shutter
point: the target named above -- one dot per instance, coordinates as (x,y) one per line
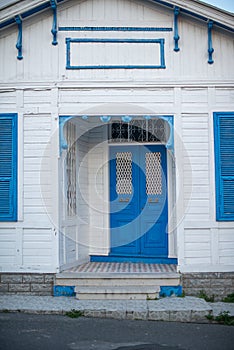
(8,167)
(224,165)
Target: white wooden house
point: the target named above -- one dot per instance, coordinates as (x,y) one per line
(116,139)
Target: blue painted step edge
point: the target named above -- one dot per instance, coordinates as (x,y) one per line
(146,260)
(168,291)
(64,291)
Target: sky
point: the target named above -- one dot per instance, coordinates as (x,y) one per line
(227,5)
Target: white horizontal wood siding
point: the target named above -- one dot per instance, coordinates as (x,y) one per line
(30,243)
(99,191)
(44,62)
(40,88)
(74,230)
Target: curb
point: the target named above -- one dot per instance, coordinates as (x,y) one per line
(188,316)
(170,309)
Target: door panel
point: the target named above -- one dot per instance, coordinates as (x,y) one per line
(138,200)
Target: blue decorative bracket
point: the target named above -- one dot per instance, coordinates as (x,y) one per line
(105,118)
(210,48)
(62,141)
(170,142)
(126,119)
(54,30)
(18,45)
(176,35)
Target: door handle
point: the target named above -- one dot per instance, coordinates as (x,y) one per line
(153,200)
(124,200)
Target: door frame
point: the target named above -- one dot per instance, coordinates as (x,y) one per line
(130,257)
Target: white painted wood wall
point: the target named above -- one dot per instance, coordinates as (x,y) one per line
(39,89)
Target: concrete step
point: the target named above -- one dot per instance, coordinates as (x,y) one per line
(117,292)
(116,283)
(112,280)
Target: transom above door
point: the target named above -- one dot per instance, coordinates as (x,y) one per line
(139,130)
(138,201)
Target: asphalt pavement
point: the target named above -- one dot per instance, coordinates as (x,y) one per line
(47,332)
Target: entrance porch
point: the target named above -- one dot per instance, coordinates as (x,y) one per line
(117,183)
(105,280)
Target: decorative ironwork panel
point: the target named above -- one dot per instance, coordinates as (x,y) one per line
(140,130)
(119,132)
(124,172)
(71,169)
(153,173)
(158,130)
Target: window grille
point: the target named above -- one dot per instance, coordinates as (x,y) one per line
(124,172)
(71,169)
(140,130)
(153,173)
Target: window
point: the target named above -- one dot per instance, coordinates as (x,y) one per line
(224,165)
(71,169)
(140,130)
(8,167)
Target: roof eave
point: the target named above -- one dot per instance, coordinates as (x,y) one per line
(193,8)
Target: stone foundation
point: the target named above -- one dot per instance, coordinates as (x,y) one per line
(26,283)
(217,284)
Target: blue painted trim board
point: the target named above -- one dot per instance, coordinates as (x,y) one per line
(147,260)
(193,14)
(97,40)
(47,5)
(115,29)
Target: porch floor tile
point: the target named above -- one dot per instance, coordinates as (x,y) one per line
(115,267)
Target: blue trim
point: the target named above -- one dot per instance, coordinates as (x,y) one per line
(193,14)
(126,118)
(168,291)
(97,40)
(18,45)
(47,5)
(220,175)
(176,35)
(54,29)
(164,3)
(115,258)
(170,119)
(13,167)
(115,29)
(210,48)
(64,291)
(62,141)
(7,23)
(105,118)
(36,10)
(68,53)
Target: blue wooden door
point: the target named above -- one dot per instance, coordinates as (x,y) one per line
(138,201)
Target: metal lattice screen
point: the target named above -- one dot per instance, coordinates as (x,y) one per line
(153,173)
(124,172)
(71,169)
